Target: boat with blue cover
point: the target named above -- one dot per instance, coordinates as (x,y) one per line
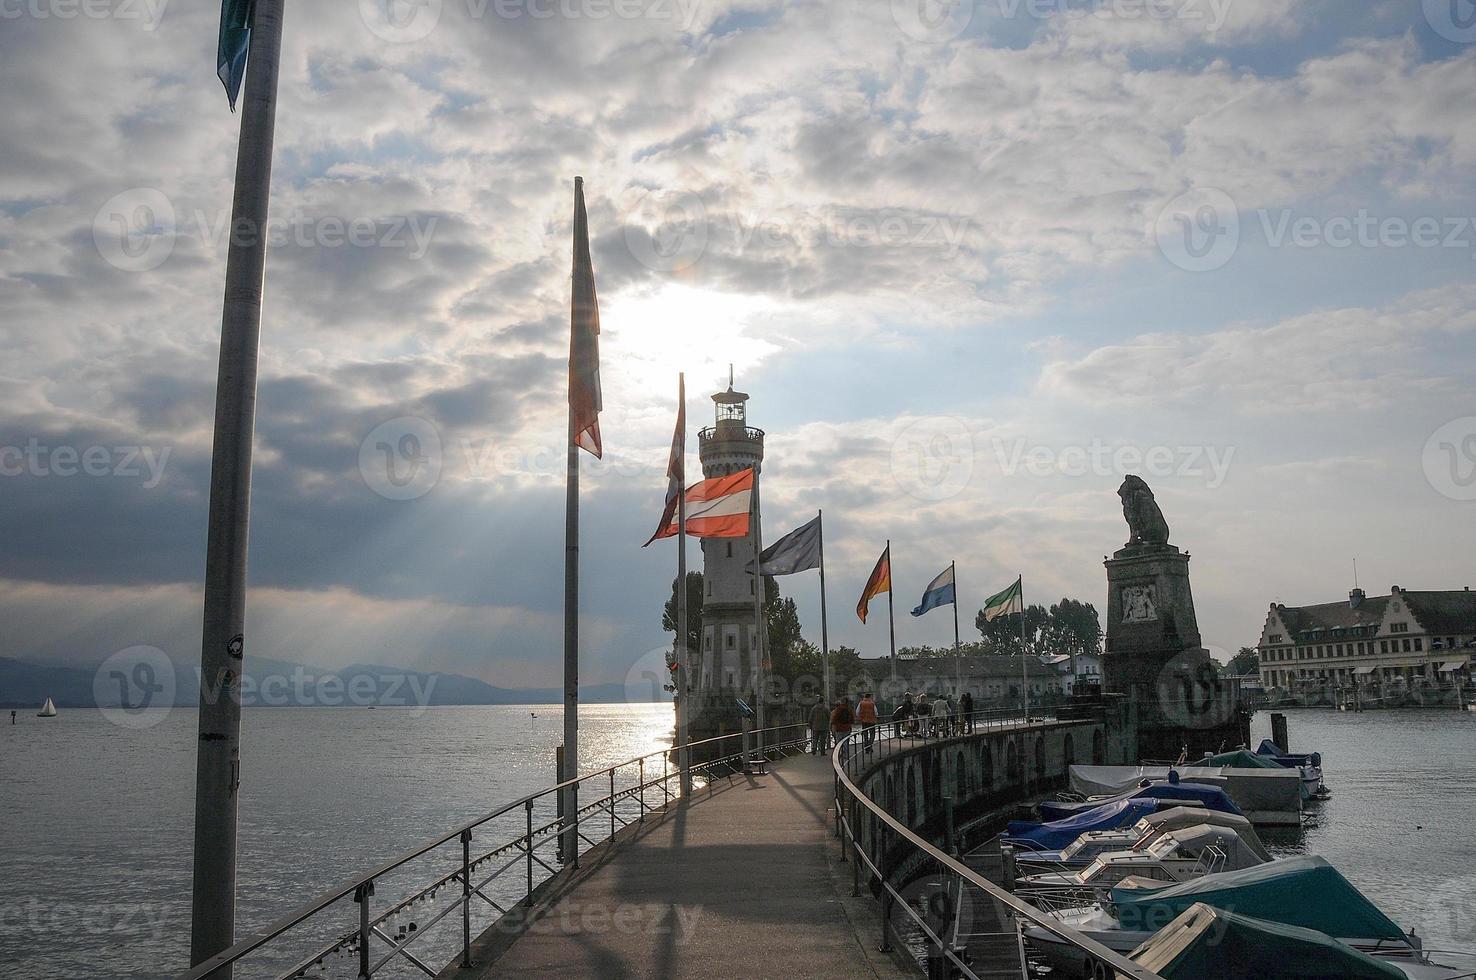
(1211,797)
(1032,835)
(1080,852)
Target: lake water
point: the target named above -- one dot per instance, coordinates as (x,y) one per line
(95,819)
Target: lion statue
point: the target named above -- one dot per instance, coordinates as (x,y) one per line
(1145,520)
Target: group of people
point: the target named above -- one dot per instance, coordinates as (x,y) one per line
(916,717)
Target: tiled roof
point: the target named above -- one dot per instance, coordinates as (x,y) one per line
(1444,612)
(1330,615)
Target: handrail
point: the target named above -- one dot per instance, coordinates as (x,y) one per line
(363,883)
(840,758)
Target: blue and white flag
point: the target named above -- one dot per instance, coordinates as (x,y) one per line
(235,41)
(938,593)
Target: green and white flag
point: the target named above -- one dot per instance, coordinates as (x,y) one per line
(1006,602)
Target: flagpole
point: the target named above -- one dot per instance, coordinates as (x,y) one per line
(824,627)
(684,754)
(222,644)
(957,650)
(760,627)
(891,619)
(1024,669)
(571,626)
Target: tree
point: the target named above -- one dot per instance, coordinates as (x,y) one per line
(1074,629)
(845,666)
(694,610)
(1003,632)
(1246,661)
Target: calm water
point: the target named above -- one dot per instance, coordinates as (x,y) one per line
(1399,822)
(95,820)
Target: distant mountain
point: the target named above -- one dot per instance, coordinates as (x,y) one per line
(280,683)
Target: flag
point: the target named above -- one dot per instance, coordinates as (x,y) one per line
(1004,603)
(584,338)
(880,581)
(716,508)
(676,465)
(797,551)
(938,593)
(235,40)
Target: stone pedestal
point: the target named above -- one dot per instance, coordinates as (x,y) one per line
(1154,657)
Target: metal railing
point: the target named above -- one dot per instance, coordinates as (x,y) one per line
(849,755)
(520,852)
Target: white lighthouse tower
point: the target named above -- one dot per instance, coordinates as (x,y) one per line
(730,637)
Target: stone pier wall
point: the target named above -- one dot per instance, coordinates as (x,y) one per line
(985,778)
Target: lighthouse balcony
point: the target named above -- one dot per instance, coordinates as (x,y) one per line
(729,433)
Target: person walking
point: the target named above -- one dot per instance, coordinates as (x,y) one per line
(819,728)
(942,716)
(866,717)
(902,717)
(841,720)
(966,712)
(923,712)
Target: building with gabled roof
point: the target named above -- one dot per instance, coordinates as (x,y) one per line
(1428,636)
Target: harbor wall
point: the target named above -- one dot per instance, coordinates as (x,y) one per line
(967,787)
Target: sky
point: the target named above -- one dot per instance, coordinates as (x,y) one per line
(975,261)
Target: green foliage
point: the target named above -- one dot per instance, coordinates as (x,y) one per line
(1245,661)
(694,610)
(1069,626)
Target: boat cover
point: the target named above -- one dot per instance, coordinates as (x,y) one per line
(1030,835)
(1209,942)
(1213,797)
(1240,759)
(1176,817)
(1193,841)
(1297,891)
(1294,759)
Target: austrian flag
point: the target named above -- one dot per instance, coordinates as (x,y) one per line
(717,508)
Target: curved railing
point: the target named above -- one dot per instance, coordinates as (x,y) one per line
(509,855)
(851,804)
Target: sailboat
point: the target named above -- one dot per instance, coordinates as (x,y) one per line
(48,710)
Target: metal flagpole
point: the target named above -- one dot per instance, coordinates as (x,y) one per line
(824,627)
(891,620)
(1024,669)
(571,651)
(957,650)
(684,707)
(222,642)
(760,627)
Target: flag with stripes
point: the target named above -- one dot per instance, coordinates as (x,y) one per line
(584,339)
(716,508)
(676,464)
(1006,602)
(938,593)
(880,581)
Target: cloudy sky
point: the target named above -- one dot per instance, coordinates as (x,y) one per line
(974,262)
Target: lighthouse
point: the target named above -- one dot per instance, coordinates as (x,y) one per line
(725,670)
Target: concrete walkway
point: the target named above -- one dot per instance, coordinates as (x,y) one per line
(744,882)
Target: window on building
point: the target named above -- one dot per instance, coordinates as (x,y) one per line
(1419,643)
(1383,646)
(1275,637)
(730,549)
(730,641)
(1406,646)
(1398,627)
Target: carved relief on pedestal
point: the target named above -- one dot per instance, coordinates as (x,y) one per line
(1139,603)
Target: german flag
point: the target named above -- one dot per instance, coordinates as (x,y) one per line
(880,581)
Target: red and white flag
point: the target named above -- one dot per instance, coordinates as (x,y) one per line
(676,465)
(716,508)
(584,338)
